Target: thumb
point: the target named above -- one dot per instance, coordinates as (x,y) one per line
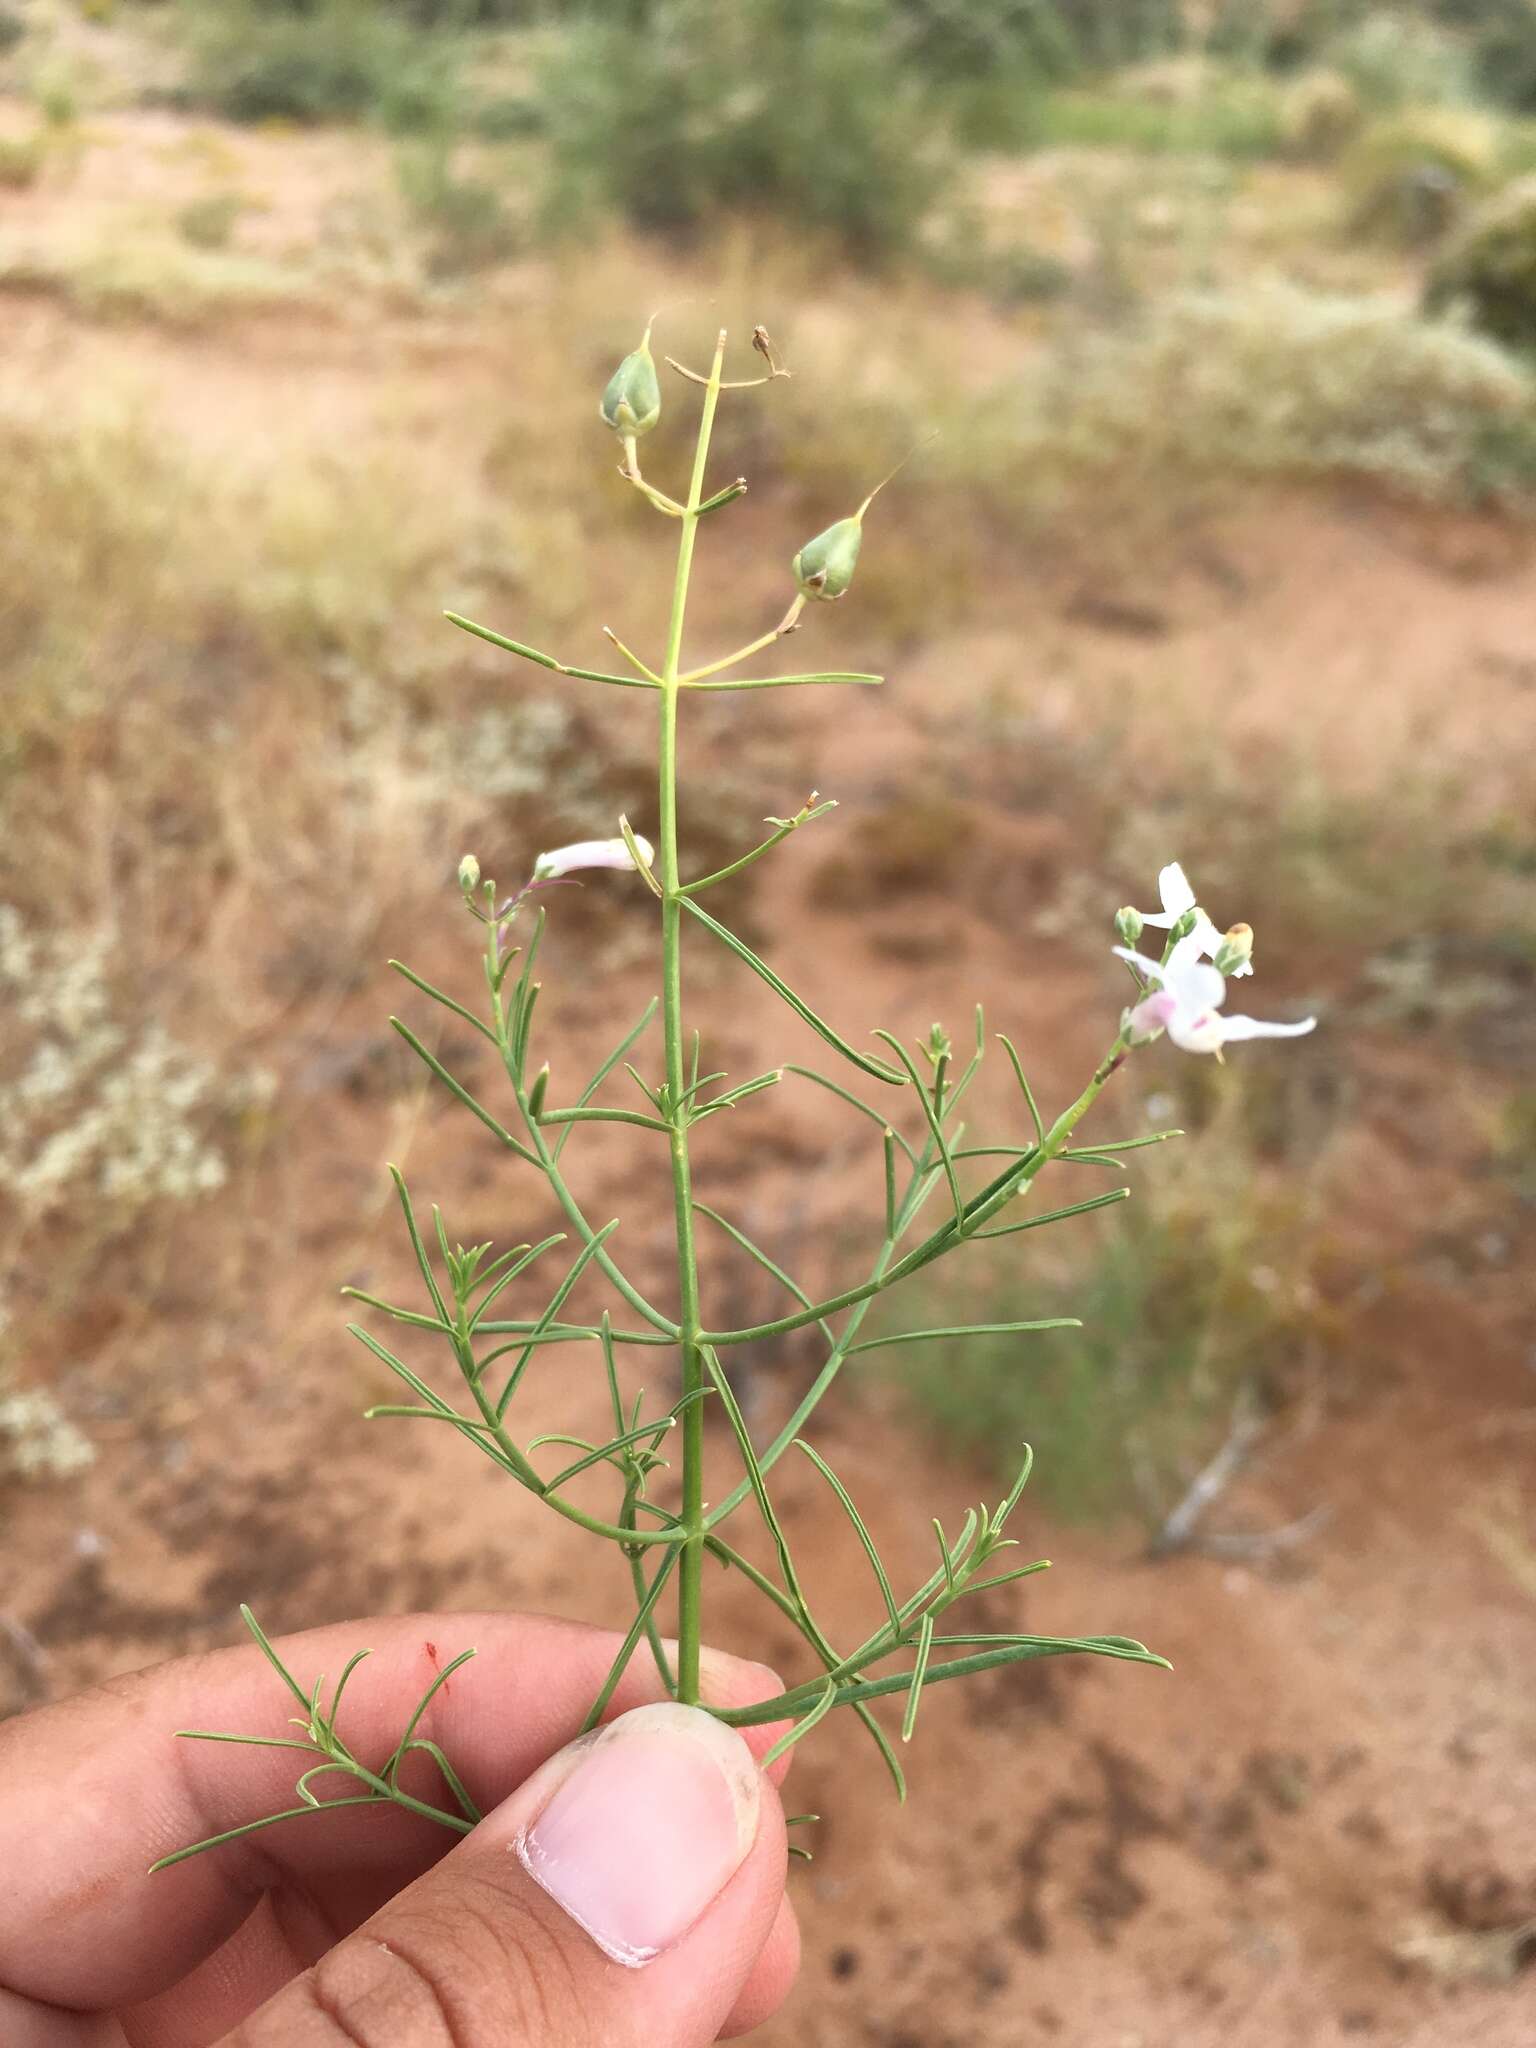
(618,1899)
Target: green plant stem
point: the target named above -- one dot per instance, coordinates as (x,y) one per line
(1008,1185)
(691,1562)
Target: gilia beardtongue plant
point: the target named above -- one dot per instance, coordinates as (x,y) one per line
(940,1194)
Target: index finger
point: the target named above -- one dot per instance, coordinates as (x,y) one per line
(98,1787)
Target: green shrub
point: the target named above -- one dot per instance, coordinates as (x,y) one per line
(1501,35)
(1396,59)
(800,109)
(1408,182)
(12,29)
(1105,34)
(1490,269)
(1279,35)
(1185,106)
(1275,381)
(465,218)
(1320,116)
(209,222)
(339,60)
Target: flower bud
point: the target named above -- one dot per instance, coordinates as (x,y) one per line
(469,874)
(824,566)
(537,1092)
(631,404)
(1236,949)
(1128,923)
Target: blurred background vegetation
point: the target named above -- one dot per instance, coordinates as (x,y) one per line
(1225,311)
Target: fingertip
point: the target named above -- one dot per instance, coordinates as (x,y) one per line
(773,1976)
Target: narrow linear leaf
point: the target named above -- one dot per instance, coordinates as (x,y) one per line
(392,1768)
(755,1251)
(946,1558)
(263,1644)
(966,1330)
(657,1427)
(245,1741)
(919,1675)
(520,1265)
(589,1251)
(624,1045)
(860,1530)
(318,1771)
(1057,1215)
(583,1115)
(251,1827)
(586,675)
(418,1247)
(1024,1088)
(801,1729)
(1022,1571)
(631,1642)
(866,1689)
(357,1657)
(441,996)
(1125,1144)
(846,1095)
(932,1105)
(460,1092)
(413,1317)
(786,682)
(451,1778)
(732,1096)
(781,988)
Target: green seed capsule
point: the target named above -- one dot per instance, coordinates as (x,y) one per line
(631,405)
(824,566)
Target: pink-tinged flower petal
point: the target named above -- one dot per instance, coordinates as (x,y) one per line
(1153,1013)
(589,853)
(1197,1030)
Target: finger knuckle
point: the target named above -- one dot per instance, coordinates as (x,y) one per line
(374,1993)
(482,1968)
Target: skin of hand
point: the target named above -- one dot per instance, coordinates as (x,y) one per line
(623,1889)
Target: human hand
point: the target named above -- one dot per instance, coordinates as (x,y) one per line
(657,1841)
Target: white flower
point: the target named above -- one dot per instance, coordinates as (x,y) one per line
(590,853)
(1177,897)
(1187,1002)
